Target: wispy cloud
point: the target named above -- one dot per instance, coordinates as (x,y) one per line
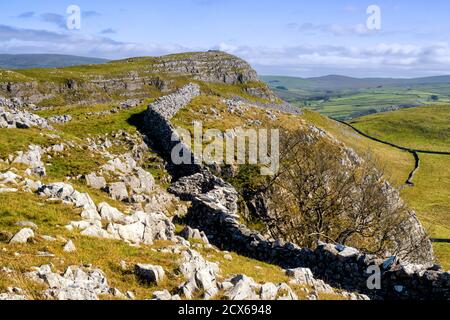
(108,31)
(19,40)
(90,13)
(384,59)
(55,19)
(26,15)
(379,59)
(334,29)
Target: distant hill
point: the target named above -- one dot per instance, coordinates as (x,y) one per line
(31,61)
(336,82)
(346,98)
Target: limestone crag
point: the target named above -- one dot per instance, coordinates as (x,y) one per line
(13,118)
(75,284)
(212,66)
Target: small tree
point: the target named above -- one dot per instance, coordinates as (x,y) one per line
(317,196)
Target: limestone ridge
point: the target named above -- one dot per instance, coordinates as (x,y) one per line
(214,211)
(212,66)
(136,75)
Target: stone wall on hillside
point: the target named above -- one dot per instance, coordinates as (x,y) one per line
(214,211)
(163,135)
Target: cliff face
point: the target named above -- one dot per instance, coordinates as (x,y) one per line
(212,66)
(135,77)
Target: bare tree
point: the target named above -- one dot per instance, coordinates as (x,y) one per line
(316,196)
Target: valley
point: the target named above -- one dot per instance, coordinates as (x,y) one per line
(419,124)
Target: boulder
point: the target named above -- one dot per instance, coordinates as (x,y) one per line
(268,291)
(149,274)
(164,295)
(194,234)
(110,213)
(244,288)
(69,247)
(91,215)
(96,182)
(118,191)
(96,232)
(27,224)
(200,275)
(22,236)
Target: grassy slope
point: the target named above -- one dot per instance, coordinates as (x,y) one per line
(104,254)
(422,128)
(426,128)
(395,163)
(430,195)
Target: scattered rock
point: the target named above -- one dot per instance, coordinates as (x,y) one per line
(60,119)
(149,274)
(96,182)
(23,236)
(75,284)
(200,274)
(27,224)
(194,234)
(69,247)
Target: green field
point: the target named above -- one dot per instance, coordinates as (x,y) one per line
(345,98)
(424,128)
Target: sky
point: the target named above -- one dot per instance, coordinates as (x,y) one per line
(278,37)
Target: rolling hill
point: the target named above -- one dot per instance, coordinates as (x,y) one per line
(346,98)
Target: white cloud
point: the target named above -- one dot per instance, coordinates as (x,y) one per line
(382,59)
(335,29)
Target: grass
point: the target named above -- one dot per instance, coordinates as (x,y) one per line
(73,162)
(424,128)
(344,99)
(13,140)
(104,254)
(395,163)
(430,195)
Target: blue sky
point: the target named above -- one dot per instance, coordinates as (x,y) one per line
(285,37)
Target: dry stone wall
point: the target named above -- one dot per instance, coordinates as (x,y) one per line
(214,211)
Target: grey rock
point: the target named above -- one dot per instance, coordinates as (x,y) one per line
(27,224)
(69,247)
(110,213)
(164,295)
(96,182)
(22,236)
(118,191)
(194,234)
(200,275)
(149,274)
(60,119)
